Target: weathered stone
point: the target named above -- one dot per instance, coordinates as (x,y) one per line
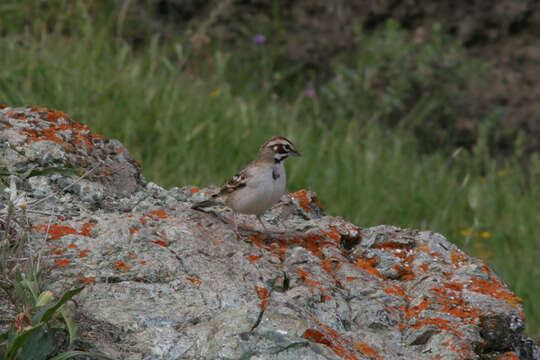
(168,282)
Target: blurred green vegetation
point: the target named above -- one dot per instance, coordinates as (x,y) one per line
(377,134)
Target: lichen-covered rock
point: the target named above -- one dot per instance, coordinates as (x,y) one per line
(36,140)
(168,282)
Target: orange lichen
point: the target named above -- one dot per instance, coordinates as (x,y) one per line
(159,242)
(254,258)
(120,265)
(331,265)
(143,262)
(457,258)
(73,246)
(80,139)
(367,350)
(194,190)
(314,243)
(333,339)
(54,115)
(404,272)
(99,136)
(455,285)
(278,248)
(194,280)
(255,239)
(133,230)
(57,231)
(334,234)
(303,199)
(312,284)
(161,214)
(303,274)
(368,265)
(83,253)
(509,355)
(422,246)
(61,122)
(48,134)
(154,215)
(62,262)
(263,295)
(316,336)
(57,251)
(414,311)
(87,227)
(88,280)
(494,288)
(451,302)
(395,290)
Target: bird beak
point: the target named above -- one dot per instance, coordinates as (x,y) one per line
(295,153)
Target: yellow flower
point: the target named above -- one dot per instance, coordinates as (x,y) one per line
(214,93)
(482,251)
(485,235)
(465,232)
(501,173)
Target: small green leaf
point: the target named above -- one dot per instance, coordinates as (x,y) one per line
(39,345)
(68,295)
(40,312)
(19,341)
(70,324)
(31,286)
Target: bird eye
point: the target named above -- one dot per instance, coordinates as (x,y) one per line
(287,147)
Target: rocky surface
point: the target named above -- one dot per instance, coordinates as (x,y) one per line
(166,282)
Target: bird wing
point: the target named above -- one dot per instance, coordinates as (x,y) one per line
(236,182)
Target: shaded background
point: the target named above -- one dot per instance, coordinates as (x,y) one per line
(418,114)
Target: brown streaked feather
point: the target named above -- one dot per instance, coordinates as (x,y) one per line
(238,181)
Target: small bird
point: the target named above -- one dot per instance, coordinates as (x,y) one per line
(259,185)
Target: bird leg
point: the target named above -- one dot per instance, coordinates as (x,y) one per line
(235,226)
(262,223)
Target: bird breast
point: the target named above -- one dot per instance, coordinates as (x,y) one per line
(263,189)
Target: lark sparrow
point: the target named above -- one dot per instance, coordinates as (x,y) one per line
(259,185)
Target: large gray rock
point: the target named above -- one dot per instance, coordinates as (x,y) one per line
(167,282)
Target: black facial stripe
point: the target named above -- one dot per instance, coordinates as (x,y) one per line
(278,157)
(282,149)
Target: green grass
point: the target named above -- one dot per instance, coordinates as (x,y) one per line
(198,129)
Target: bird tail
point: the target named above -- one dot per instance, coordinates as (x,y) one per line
(206,203)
